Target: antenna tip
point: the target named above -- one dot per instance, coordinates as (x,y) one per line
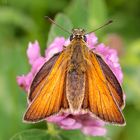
(110,21)
(49,19)
(46,17)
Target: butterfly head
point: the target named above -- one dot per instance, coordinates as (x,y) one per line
(78,34)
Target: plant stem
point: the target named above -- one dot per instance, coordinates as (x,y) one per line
(51,129)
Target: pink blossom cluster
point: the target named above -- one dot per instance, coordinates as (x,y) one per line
(87,124)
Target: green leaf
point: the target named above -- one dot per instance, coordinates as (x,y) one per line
(77,11)
(73,134)
(89,14)
(77,134)
(97,13)
(32,134)
(36,134)
(55,31)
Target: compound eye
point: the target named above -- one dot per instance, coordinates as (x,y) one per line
(85,38)
(71,37)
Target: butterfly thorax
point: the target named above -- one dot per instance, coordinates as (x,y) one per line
(77,60)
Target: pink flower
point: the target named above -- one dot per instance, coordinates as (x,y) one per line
(91,40)
(25,81)
(36,61)
(87,124)
(55,47)
(33,52)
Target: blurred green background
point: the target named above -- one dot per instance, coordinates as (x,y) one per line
(23,21)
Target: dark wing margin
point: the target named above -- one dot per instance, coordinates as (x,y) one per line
(114,85)
(43,73)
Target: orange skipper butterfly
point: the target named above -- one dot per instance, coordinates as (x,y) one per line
(76,80)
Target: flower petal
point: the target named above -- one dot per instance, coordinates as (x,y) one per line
(25,81)
(69,123)
(38,63)
(55,47)
(94,131)
(91,40)
(33,52)
(87,120)
(56,118)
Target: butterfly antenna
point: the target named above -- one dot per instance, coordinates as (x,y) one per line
(107,23)
(52,21)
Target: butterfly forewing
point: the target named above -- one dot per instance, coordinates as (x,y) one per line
(41,76)
(113,83)
(101,101)
(50,97)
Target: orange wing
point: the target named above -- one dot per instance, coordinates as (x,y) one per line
(50,93)
(41,76)
(113,83)
(101,101)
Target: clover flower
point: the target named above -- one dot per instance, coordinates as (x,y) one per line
(87,124)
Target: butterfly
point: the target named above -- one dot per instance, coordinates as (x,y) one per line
(76,80)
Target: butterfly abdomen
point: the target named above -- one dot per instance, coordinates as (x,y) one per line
(75,89)
(75,83)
